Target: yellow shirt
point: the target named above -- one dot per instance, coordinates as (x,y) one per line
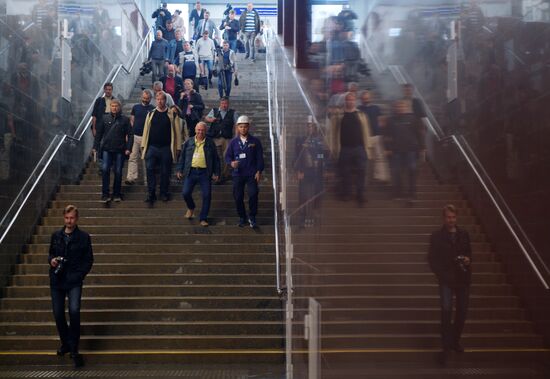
(199,160)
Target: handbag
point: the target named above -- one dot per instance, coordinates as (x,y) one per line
(236,81)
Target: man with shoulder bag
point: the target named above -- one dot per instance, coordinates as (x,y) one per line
(222,129)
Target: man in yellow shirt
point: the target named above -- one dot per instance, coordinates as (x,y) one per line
(198,163)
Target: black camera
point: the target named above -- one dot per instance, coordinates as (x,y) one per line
(61,261)
(228,8)
(146,68)
(461,261)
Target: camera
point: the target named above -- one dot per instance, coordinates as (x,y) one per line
(146,68)
(228,7)
(461,260)
(60,265)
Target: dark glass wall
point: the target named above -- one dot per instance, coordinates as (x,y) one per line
(54,57)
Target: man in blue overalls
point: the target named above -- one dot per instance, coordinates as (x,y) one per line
(245,155)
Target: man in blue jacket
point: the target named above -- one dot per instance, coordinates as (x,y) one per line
(158,55)
(70,259)
(245,155)
(198,163)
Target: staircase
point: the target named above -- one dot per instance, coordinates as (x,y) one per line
(162,288)
(379,301)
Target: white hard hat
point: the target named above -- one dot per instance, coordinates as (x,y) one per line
(243,120)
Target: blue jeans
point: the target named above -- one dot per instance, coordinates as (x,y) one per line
(228,77)
(250,38)
(200,176)
(233,45)
(154,157)
(69,335)
(405,162)
(239,182)
(450,333)
(115,160)
(207,65)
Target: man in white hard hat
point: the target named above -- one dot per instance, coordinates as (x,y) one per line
(245,155)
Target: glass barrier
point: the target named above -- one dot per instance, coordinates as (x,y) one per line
(50,81)
(346,306)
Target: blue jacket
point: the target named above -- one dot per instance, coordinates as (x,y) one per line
(210,154)
(79,255)
(159,50)
(250,156)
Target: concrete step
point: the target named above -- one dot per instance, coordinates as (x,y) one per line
(204,239)
(107,218)
(156,328)
(169,248)
(153,302)
(149,314)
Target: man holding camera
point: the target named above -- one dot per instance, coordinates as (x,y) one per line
(70,259)
(449,257)
(162,15)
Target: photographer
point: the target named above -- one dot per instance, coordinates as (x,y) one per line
(162,15)
(231,27)
(226,65)
(449,257)
(70,259)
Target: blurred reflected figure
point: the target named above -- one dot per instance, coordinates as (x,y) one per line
(309,166)
(413,104)
(350,143)
(450,255)
(404,141)
(380,168)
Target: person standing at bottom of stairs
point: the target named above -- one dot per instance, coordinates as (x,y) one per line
(113,140)
(70,259)
(160,145)
(449,256)
(198,163)
(245,155)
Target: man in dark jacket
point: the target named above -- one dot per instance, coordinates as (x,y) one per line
(70,259)
(198,163)
(450,257)
(246,156)
(404,138)
(114,141)
(222,130)
(191,106)
(162,16)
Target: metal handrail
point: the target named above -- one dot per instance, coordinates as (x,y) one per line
(484,179)
(274,182)
(48,156)
(86,121)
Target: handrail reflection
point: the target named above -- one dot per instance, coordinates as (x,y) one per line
(39,170)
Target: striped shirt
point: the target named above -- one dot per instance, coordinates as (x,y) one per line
(250,25)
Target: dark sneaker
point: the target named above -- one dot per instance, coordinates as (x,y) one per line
(166,197)
(252,222)
(117,199)
(150,199)
(105,199)
(242,223)
(129,182)
(77,359)
(62,350)
(204,223)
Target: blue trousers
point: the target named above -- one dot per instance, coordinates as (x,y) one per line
(69,335)
(200,176)
(158,156)
(115,160)
(451,332)
(239,182)
(228,77)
